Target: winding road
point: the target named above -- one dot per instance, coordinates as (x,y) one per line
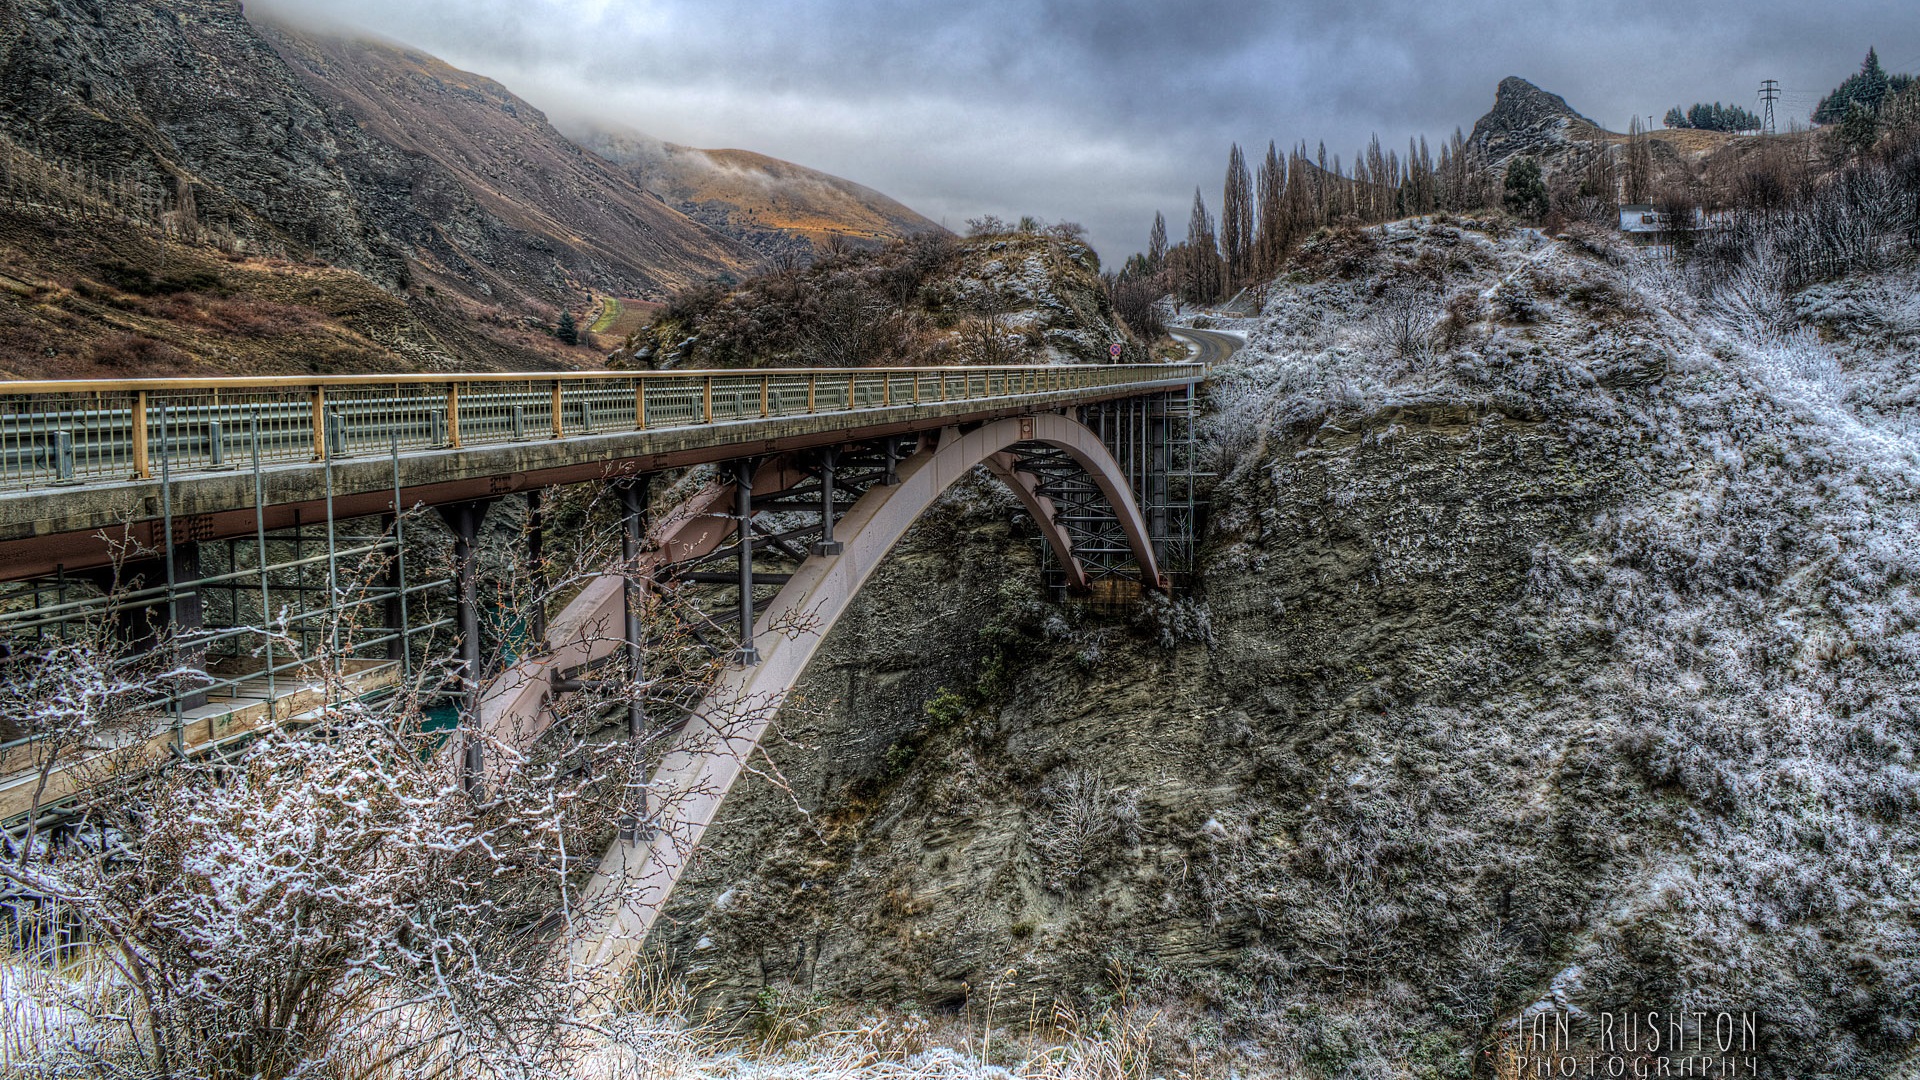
(1209,346)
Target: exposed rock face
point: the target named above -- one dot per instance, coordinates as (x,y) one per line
(1527,120)
(486,194)
(1006,298)
(185,98)
(1574,663)
(775,206)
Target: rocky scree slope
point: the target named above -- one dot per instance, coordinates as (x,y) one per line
(486,194)
(177,202)
(1563,655)
(183,98)
(178,199)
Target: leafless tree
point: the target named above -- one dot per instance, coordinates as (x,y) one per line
(1403,321)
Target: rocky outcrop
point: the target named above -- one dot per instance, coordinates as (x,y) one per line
(1002,298)
(1527,120)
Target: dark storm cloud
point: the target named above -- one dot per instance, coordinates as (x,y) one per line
(1104,111)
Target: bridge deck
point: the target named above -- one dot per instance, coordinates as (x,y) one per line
(76,458)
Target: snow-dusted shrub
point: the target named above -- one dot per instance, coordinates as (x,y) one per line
(331,898)
(343,897)
(1403,321)
(1080,826)
(1175,620)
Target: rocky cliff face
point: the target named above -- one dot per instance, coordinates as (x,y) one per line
(1569,662)
(186,101)
(1528,120)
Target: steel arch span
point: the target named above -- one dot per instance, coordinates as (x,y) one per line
(638,871)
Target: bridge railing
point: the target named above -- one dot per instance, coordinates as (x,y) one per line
(93,432)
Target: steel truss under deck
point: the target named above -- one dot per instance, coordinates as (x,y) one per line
(1154,439)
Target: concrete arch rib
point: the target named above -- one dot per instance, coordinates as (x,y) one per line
(636,875)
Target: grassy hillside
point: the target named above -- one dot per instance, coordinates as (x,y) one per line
(100,298)
(760,200)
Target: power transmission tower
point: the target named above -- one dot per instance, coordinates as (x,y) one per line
(1769,90)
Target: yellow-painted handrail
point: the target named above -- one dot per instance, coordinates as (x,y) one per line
(262,382)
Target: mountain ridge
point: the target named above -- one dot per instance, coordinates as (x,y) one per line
(489,194)
(776,206)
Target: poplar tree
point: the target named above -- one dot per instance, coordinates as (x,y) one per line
(1269,239)
(1236,221)
(1157,244)
(1203,254)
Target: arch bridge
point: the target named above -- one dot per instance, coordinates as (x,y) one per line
(190,514)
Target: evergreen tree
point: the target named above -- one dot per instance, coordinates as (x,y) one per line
(568,332)
(1526,193)
(1859,129)
(1675,118)
(1869,88)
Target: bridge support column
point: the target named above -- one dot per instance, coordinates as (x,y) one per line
(891,477)
(748,655)
(1158,529)
(827,545)
(633,502)
(188,615)
(536,558)
(464,519)
(394,609)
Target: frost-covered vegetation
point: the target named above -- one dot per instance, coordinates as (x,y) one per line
(1716,663)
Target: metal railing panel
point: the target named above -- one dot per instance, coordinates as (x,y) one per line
(54,433)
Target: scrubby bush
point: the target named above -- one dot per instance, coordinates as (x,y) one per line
(134,354)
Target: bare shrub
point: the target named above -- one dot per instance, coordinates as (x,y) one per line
(1080,826)
(133,353)
(1517,302)
(1464,310)
(1403,321)
(1137,301)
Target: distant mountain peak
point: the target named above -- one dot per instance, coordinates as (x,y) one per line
(1526,119)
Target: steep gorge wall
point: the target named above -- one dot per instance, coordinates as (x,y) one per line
(1572,663)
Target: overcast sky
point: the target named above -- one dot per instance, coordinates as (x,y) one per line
(1103,111)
